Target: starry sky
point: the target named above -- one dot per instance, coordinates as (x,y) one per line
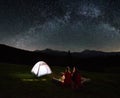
(73,25)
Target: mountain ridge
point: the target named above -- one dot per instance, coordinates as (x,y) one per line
(85,53)
(87,59)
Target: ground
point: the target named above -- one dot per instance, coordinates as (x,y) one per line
(18,82)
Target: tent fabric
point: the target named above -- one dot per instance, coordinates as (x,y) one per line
(41,68)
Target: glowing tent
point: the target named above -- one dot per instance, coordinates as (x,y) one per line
(41,68)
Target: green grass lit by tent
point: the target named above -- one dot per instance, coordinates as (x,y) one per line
(16,81)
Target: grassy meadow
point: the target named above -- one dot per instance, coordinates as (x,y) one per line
(16,81)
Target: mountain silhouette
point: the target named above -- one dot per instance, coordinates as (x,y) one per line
(87,59)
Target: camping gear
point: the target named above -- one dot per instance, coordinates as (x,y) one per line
(41,68)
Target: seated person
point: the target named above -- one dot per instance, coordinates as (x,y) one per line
(76,78)
(68,78)
(65,79)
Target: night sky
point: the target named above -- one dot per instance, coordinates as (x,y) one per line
(60,24)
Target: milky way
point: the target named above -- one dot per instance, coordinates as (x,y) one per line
(61,24)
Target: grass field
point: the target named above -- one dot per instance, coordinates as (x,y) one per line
(16,81)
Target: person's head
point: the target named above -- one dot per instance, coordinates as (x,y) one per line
(62,73)
(68,68)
